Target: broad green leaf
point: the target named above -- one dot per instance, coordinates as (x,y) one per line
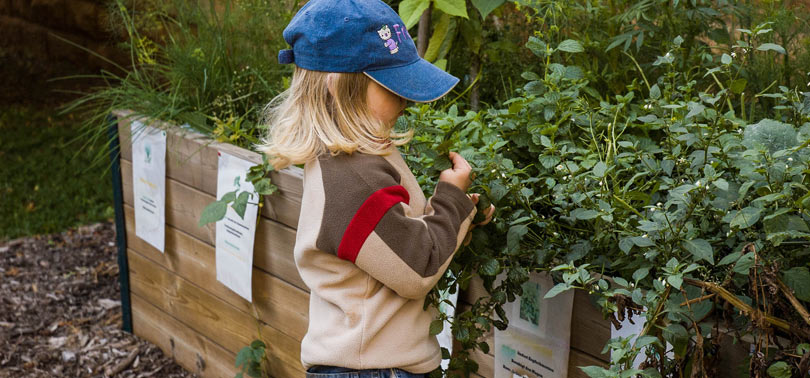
(584,214)
(596,371)
(730,258)
(780,369)
(571,46)
(746,217)
(640,273)
(214,212)
(643,241)
(514,235)
(721,184)
(599,169)
(240,204)
(436,327)
(744,263)
(490,268)
(264,187)
(258,344)
(738,86)
(725,59)
(441,39)
(771,46)
(228,197)
(557,289)
(771,134)
(655,92)
(701,249)
(676,280)
(537,46)
(244,356)
(798,280)
(411,10)
(452,7)
(486,6)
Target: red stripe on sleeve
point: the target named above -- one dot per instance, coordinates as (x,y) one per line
(367,217)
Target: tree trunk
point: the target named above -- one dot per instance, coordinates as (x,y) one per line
(423,35)
(475,66)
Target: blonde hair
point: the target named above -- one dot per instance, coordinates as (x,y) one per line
(306,121)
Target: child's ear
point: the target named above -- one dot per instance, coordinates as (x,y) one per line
(330,83)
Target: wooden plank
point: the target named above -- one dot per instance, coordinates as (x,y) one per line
(276,302)
(206,314)
(274,242)
(195,352)
(192,159)
(589,330)
(578,358)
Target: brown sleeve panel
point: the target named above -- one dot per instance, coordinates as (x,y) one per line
(348,180)
(425,243)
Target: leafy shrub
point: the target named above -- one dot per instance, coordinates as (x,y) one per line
(665,195)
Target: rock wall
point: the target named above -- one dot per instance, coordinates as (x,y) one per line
(31,30)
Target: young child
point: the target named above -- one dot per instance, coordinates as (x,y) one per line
(369,245)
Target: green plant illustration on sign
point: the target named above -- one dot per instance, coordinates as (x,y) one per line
(530,303)
(148,149)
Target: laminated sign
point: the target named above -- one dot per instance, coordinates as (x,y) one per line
(235,234)
(445,337)
(537,342)
(149,183)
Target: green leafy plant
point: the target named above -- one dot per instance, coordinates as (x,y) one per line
(259,176)
(251,359)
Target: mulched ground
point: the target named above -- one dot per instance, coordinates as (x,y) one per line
(60,310)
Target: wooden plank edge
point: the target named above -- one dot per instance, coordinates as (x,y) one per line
(278,302)
(221,322)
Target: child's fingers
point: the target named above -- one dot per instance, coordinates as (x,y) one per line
(459,163)
(474,198)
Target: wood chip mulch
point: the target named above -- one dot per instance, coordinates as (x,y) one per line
(60,310)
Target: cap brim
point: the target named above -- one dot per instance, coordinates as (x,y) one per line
(419,81)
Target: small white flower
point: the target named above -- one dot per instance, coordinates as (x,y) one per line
(697,183)
(668,55)
(728,234)
(733,55)
(645,236)
(681,160)
(659,204)
(555,234)
(652,210)
(705,134)
(786,166)
(559,167)
(648,106)
(790,159)
(740,131)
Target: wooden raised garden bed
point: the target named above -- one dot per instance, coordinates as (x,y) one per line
(178,304)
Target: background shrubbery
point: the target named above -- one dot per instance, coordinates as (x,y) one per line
(653,153)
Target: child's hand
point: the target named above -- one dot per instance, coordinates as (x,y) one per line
(488,213)
(459,175)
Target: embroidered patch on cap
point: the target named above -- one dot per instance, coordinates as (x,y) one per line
(385,34)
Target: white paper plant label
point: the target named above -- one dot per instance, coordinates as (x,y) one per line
(149,183)
(537,341)
(235,234)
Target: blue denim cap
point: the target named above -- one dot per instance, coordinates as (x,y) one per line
(363,36)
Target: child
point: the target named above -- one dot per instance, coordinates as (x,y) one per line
(369,245)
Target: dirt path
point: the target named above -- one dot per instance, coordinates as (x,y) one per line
(60,311)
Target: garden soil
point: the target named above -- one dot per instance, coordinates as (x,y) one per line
(60,310)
